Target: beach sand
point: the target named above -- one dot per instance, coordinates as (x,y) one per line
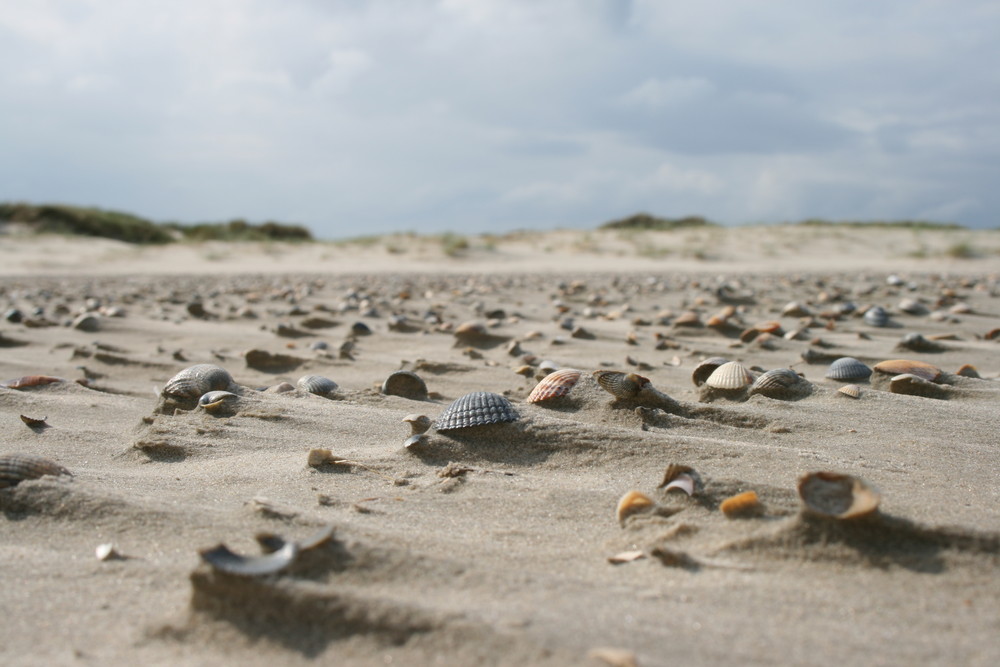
(491,545)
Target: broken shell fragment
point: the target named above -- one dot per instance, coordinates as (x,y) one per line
(418,423)
(15,468)
(478,408)
(322,457)
(683,482)
(33,422)
(224,560)
(848,368)
(741,505)
(620,385)
(837,496)
(631,503)
(316,384)
(194,381)
(406,384)
(107,551)
(214,401)
(554,385)
(30,381)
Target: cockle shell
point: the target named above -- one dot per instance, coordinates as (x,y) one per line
(876,316)
(215,400)
(848,368)
(632,503)
(619,384)
(706,368)
(779,383)
(850,390)
(15,468)
(731,375)
(316,384)
(837,496)
(554,385)
(406,384)
(476,409)
(194,381)
(921,369)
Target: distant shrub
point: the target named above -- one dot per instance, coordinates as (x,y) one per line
(895,224)
(647,221)
(61,219)
(241,230)
(961,251)
(454,245)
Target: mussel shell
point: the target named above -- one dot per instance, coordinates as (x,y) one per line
(196,380)
(837,496)
(778,383)
(478,408)
(706,368)
(15,468)
(406,384)
(847,369)
(876,316)
(619,384)
(554,385)
(316,384)
(731,375)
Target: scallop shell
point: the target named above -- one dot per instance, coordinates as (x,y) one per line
(876,316)
(730,376)
(476,409)
(837,496)
(848,368)
(921,369)
(214,400)
(850,390)
(778,383)
(406,384)
(316,384)
(15,468)
(621,385)
(741,505)
(631,503)
(196,380)
(706,368)
(554,385)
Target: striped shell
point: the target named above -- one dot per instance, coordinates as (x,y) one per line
(554,385)
(730,376)
(316,384)
(621,385)
(406,384)
(876,316)
(196,380)
(908,366)
(706,368)
(476,409)
(837,496)
(850,390)
(777,383)
(214,400)
(15,468)
(848,368)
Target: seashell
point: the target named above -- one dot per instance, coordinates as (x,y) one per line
(548,366)
(215,400)
(848,368)
(876,316)
(280,388)
(912,307)
(850,390)
(795,309)
(15,468)
(688,318)
(416,441)
(316,384)
(476,409)
(406,384)
(731,375)
(921,369)
(706,368)
(673,471)
(224,560)
(554,385)
(741,505)
(621,385)
(194,381)
(968,370)
(632,503)
(269,362)
(683,482)
(321,457)
(913,385)
(361,329)
(837,496)
(14,316)
(476,334)
(107,551)
(418,423)
(34,423)
(779,383)
(30,381)
(917,343)
(87,322)
(319,346)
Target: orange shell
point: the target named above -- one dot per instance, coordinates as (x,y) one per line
(632,502)
(838,496)
(908,366)
(554,385)
(30,381)
(742,504)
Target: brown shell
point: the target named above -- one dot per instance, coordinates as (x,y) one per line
(968,371)
(406,384)
(741,505)
(837,496)
(15,468)
(554,385)
(706,368)
(631,503)
(688,318)
(619,384)
(730,375)
(908,366)
(914,385)
(778,383)
(30,381)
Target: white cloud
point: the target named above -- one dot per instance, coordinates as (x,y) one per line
(655,93)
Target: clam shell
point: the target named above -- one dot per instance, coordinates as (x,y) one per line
(778,383)
(876,316)
(688,318)
(741,505)
(683,482)
(620,385)
(921,369)
(837,496)
(730,376)
(706,368)
(196,380)
(316,384)
(476,409)
(795,309)
(850,390)
(913,385)
(554,385)
(213,400)
(87,322)
(15,468)
(848,368)
(406,384)
(631,503)
(968,370)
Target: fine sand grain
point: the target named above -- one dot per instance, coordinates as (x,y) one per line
(491,545)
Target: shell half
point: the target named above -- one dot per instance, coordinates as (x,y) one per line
(848,369)
(837,496)
(476,409)
(196,380)
(554,385)
(731,375)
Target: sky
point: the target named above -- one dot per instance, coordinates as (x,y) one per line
(359,117)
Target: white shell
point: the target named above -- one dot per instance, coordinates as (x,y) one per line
(730,376)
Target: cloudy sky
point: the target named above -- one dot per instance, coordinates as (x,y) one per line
(357,117)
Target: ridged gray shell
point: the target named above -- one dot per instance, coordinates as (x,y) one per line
(196,380)
(406,384)
(847,369)
(876,316)
(730,375)
(476,409)
(621,385)
(15,468)
(777,383)
(706,368)
(316,384)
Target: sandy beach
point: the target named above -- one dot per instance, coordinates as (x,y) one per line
(500,544)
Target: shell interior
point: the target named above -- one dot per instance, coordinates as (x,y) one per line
(838,496)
